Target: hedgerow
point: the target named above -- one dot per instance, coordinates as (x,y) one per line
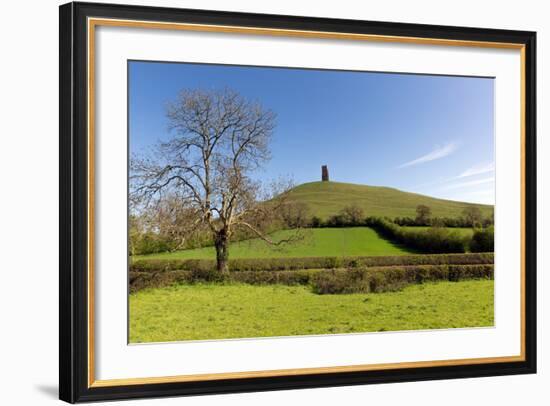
(432,240)
(288,264)
(372,280)
(322,281)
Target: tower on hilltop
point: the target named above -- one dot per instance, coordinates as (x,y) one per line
(324,173)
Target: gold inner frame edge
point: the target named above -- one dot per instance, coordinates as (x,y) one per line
(94,22)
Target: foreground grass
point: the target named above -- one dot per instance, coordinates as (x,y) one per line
(315,242)
(199,312)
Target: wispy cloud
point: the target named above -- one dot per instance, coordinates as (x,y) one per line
(477,170)
(470,183)
(485,195)
(438,153)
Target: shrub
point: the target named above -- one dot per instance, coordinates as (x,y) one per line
(451,222)
(473,216)
(207,275)
(300,277)
(322,281)
(289,264)
(150,243)
(294,214)
(353,215)
(337,220)
(142,280)
(373,280)
(434,240)
(316,222)
(483,240)
(147,265)
(423,214)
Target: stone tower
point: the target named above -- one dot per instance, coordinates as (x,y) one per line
(324,173)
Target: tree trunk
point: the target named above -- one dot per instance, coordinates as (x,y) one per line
(221,242)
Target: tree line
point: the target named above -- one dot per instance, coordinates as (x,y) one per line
(353,215)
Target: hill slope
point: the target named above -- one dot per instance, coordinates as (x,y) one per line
(328,198)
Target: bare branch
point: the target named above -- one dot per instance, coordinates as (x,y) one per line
(293,237)
(218,138)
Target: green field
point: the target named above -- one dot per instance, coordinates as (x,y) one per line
(325,199)
(200,312)
(465,232)
(315,242)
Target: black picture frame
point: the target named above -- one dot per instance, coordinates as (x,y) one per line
(73,255)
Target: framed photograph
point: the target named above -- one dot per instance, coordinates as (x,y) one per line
(259,202)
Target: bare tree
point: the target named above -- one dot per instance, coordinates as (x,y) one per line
(218,139)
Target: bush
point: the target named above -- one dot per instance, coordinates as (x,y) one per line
(373,280)
(142,280)
(483,240)
(434,240)
(337,220)
(406,221)
(294,214)
(316,222)
(353,215)
(322,281)
(301,277)
(150,243)
(451,222)
(289,264)
(148,265)
(338,281)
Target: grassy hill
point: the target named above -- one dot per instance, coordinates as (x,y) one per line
(328,198)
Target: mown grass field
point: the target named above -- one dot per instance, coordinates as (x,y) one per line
(210,311)
(328,198)
(315,242)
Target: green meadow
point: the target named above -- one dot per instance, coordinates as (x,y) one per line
(314,242)
(216,311)
(202,310)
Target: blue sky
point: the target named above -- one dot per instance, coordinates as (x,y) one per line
(420,133)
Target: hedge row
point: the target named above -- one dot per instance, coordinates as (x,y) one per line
(322,281)
(373,280)
(287,264)
(157,279)
(432,240)
(451,222)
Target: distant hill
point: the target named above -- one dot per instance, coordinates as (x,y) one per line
(328,198)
